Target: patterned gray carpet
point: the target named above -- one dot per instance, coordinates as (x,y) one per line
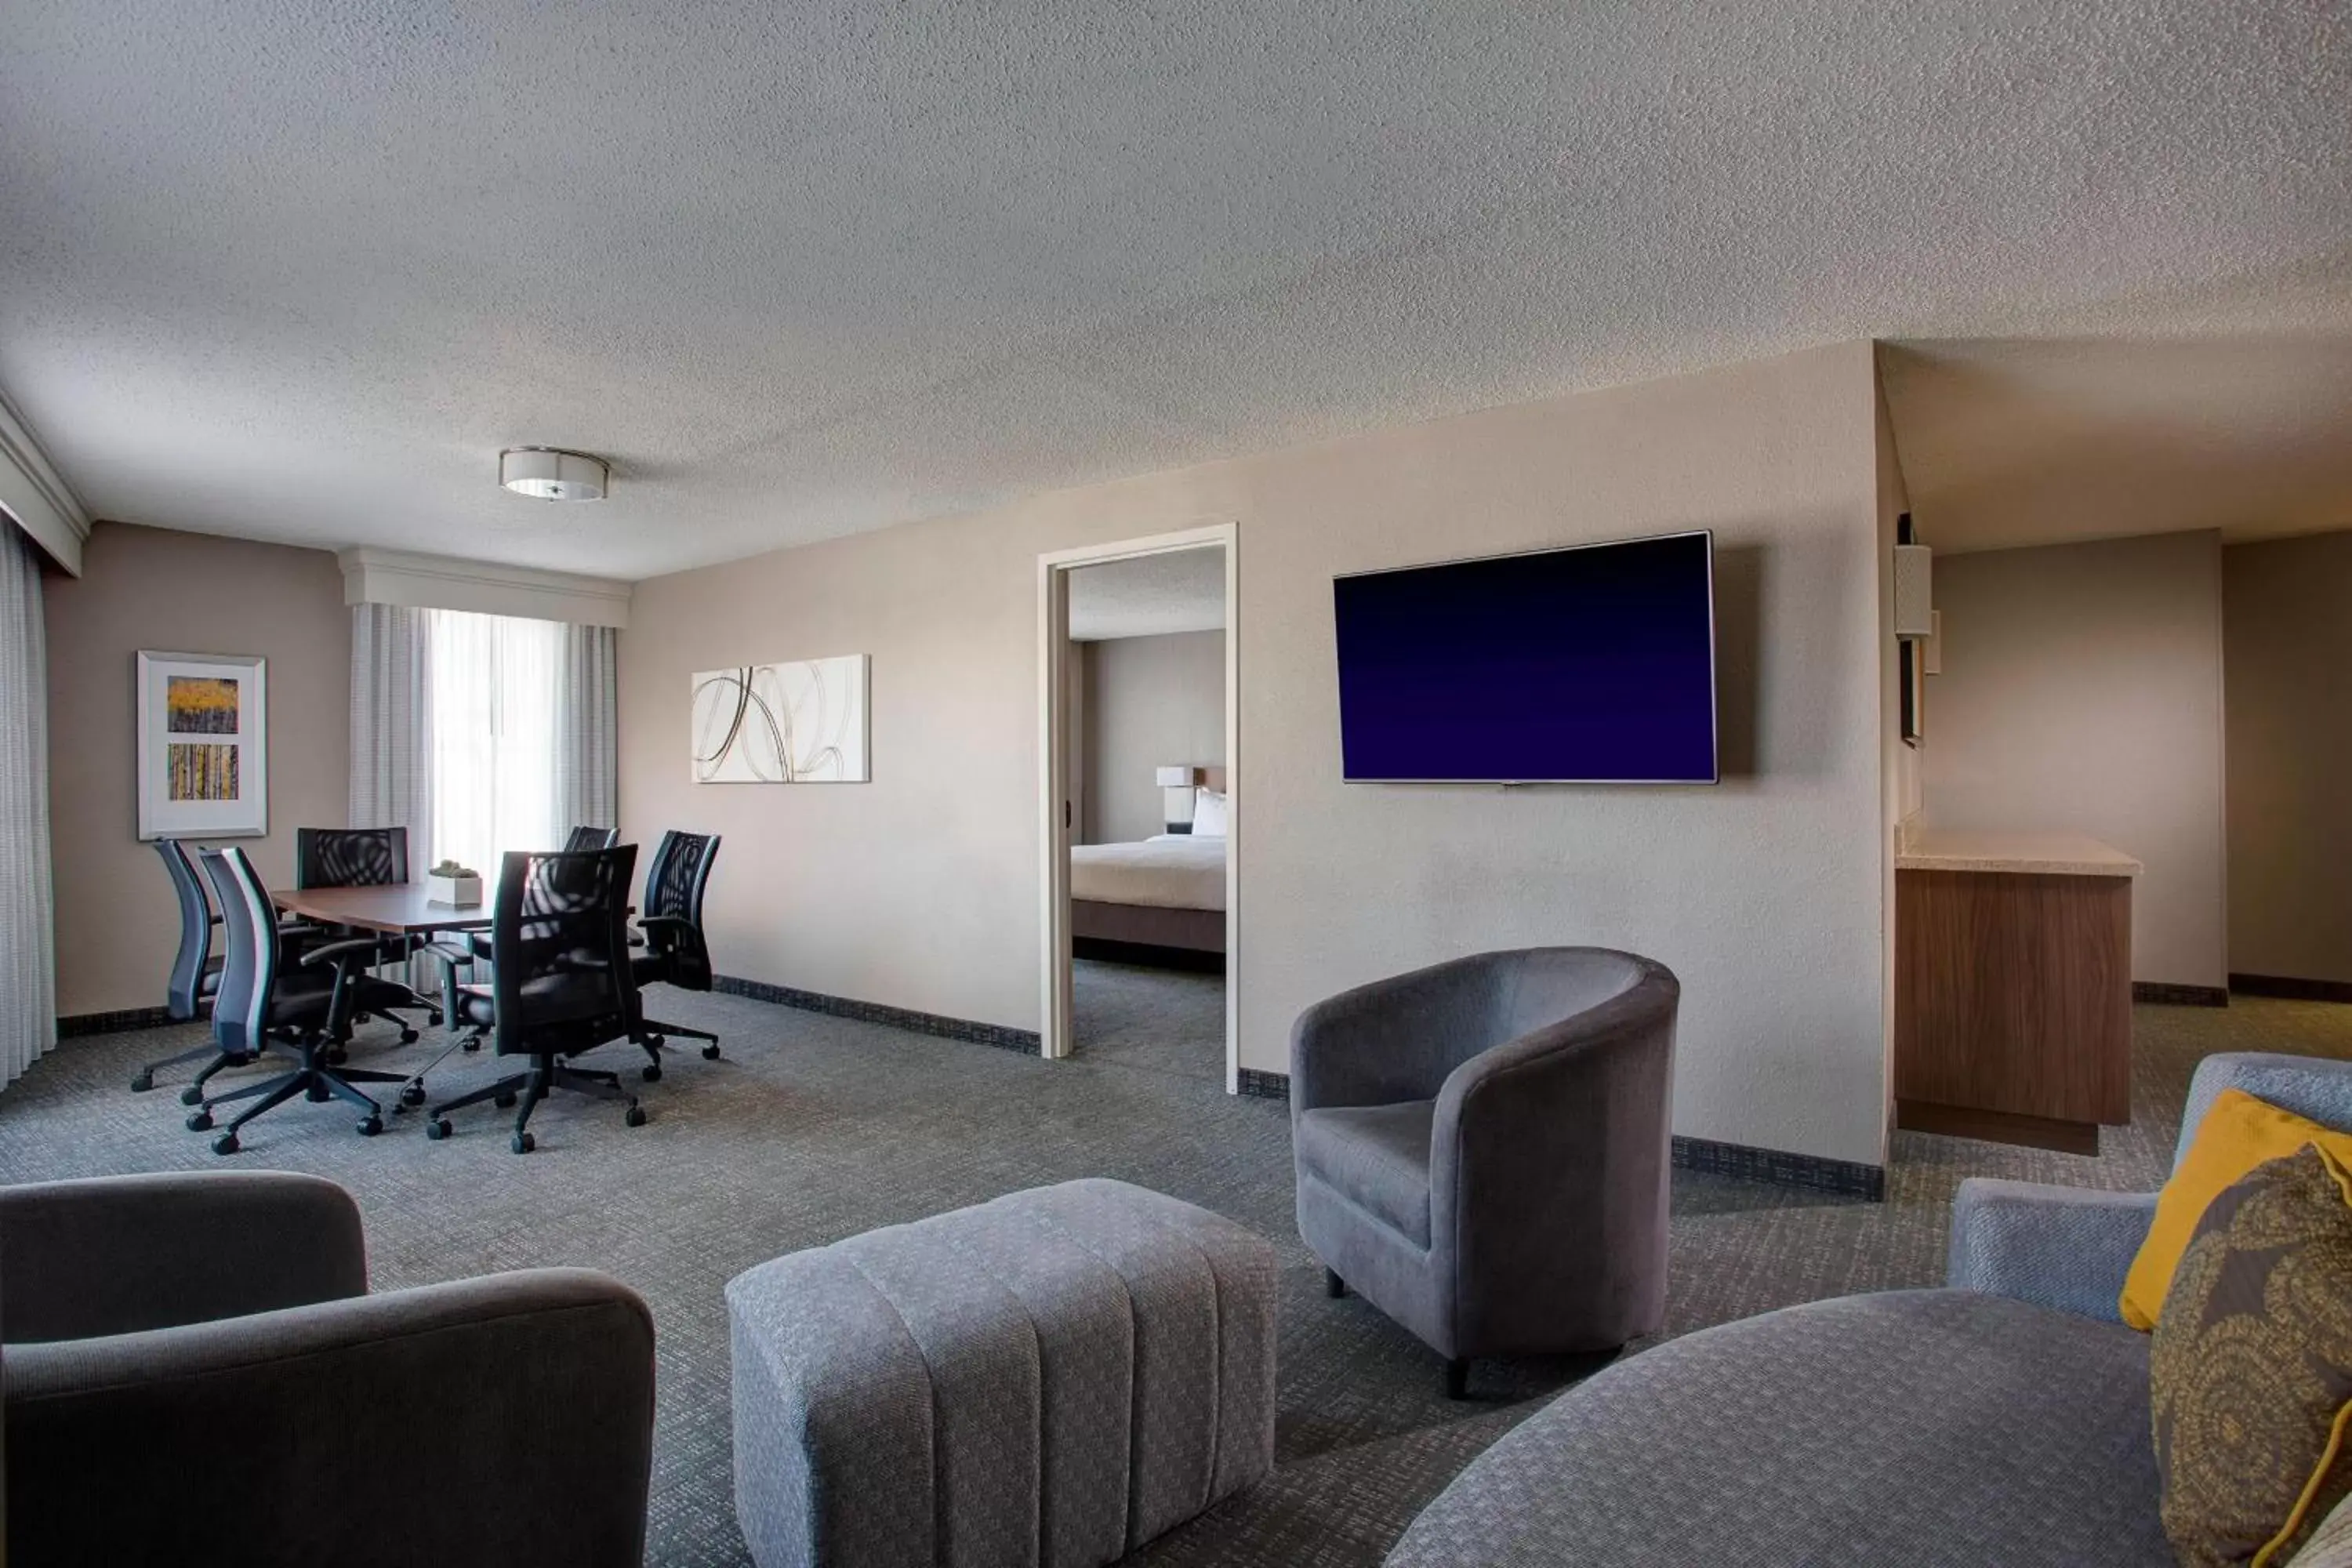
(816,1127)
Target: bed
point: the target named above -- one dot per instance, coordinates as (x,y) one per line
(1168,890)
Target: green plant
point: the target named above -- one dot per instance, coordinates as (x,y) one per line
(451,869)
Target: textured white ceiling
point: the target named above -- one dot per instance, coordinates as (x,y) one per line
(2012,441)
(1148,596)
(298,268)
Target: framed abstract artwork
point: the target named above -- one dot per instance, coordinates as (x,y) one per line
(204,746)
(802,722)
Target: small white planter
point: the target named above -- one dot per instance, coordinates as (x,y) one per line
(460,892)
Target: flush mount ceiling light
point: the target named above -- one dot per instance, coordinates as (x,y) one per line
(550,473)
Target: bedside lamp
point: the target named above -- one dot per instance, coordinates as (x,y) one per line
(1176,791)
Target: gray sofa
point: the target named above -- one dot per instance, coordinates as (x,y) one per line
(2003,1419)
(1483,1148)
(192,1372)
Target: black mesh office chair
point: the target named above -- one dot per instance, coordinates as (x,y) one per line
(560,982)
(675,953)
(364,857)
(267,996)
(581,838)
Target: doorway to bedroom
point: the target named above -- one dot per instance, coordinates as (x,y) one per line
(1138,682)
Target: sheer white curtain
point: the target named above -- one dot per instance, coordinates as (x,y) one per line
(587,729)
(391,724)
(28,1023)
(497,773)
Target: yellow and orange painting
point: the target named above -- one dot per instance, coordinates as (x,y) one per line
(200,705)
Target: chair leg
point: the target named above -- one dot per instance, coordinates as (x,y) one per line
(287,1088)
(511,1084)
(145,1078)
(1457,1378)
(653,1030)
(1333,1286)
(266,1086)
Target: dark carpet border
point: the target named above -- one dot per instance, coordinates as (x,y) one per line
(1780,1168)
(2164,993)
(2291,989)
(1003,1036)
(72,1026)
(1259,1085)
(1773,1166)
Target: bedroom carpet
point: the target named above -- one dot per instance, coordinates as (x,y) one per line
(816,1127)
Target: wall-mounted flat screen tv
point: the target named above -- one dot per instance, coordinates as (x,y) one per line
(1589,665)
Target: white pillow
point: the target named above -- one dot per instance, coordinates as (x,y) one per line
(1211,812)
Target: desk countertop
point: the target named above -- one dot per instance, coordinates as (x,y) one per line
(2041,854)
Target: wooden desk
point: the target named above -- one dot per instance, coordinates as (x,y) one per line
(2013,988)
(397,909)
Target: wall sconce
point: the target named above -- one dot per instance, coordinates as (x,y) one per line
(1176,798)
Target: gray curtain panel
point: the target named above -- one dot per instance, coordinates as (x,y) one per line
(29,1022)
(587,729)
(391,724)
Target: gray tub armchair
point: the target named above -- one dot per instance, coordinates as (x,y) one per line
(1483,1149)
(192,1372)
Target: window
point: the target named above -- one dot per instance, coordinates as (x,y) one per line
(494,752)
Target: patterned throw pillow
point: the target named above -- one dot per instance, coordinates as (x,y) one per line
(2249,1371)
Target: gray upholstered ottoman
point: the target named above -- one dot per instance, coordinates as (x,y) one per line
(1052,1378)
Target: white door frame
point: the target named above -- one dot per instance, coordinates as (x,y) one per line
(1054,808)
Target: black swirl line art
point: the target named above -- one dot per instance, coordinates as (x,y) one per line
(736,723)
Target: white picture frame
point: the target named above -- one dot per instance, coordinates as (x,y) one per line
(801,721)
(203,745)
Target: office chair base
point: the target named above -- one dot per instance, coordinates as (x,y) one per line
(212,1056)
(312,1078)
(654,1039)
(531,1086)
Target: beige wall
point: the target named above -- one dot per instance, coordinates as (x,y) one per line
(181,593)
(1764,893)
(2288,607)
(1148,700)
(2082,692)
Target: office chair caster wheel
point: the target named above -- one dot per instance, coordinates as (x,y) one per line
(318,1094)
(337,1056)
(371,1126)
(142,1083)
(413,1094)
(470,1046)
(650,1072)
(636,1117)
(437,1129)
(522,1142)
(191,1095)
(202,1121)
(710,1052)
(226,1143)
(408,1036)
(503,1102)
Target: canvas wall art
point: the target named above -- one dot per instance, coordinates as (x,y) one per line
(204,746)
(802,722)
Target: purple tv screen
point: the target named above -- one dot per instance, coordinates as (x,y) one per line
(1589,665)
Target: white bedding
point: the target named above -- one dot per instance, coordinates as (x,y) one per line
(1171,871)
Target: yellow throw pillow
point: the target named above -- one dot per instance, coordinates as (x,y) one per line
(2239,1134)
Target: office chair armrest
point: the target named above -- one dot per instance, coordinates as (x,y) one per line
(515,1412)
(335,952)
(112,1255)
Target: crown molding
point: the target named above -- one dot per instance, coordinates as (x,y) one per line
(36,496)
(374,576)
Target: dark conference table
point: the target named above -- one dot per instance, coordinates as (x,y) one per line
(395,909)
